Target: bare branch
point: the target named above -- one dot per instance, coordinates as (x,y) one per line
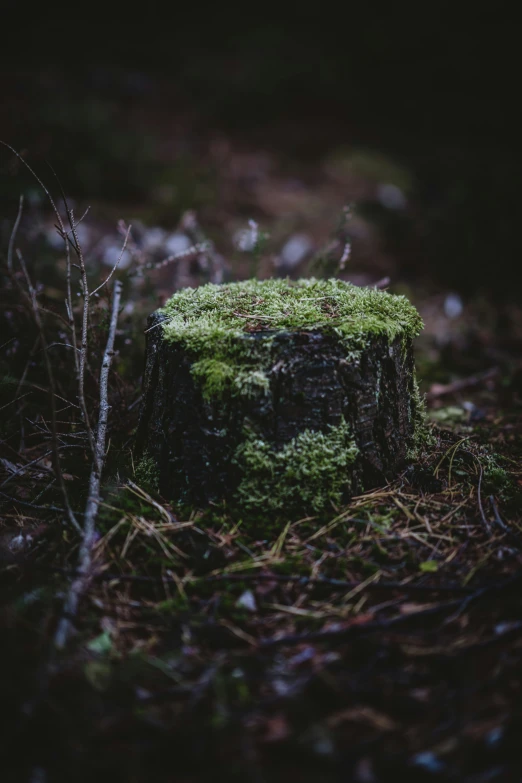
(441,390)
(160,323)
(63,232)
(64,345)
(190,225)
(68,268)
(82,354)
(479,501)
(21,382)
(69,304)
(82,217)
(116,265)
(12,238)
(195,250)
(37,178)
(21,470)
(81,582)
(17,399)
(39,325)
(32,505)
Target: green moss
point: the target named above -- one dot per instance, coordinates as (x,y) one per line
(422,436)
(497,480)
(146,473)
(311,473)
(215,377)
(252,383)
(203,317)
(449,415)
(229,329)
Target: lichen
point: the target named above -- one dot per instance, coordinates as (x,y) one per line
(311,473)
(230,328)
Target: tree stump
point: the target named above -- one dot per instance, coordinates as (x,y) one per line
(279,397)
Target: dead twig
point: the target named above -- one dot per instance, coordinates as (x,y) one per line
(80,357)
(301,581)
(441,390)
(498,519)
(190,224)
(344,634)
(68,266)
(304,581)
(84,287)
(21,470)
(116,265)
(12,238)
(351,631)
(196,250)
(81,582)
(50,375)
(154,503)
(479,501)
(32,505)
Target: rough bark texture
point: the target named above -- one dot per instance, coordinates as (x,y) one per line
(312,386)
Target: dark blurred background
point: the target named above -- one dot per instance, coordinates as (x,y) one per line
(409,112)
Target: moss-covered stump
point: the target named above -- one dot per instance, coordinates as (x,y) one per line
(279,396)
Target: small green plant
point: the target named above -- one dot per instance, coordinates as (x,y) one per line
(146,473)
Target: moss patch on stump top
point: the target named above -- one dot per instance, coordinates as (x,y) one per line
(203,318)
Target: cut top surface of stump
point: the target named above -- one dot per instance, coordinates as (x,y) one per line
(279,394)
(205,316)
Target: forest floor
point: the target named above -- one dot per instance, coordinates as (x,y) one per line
(381,643)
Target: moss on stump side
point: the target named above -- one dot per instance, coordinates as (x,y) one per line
(279,397)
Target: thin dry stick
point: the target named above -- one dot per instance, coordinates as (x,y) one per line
(69,304)
(479,499)
(21,470)
(16,399)
(116,265)
(194,250)
(32,505)
(440,390)
(64,234)
(12,238)
(37,178)
(498,519)
(84,285)
(54,429)
(190,225)
(68,274)
(27,364)
(81,583)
